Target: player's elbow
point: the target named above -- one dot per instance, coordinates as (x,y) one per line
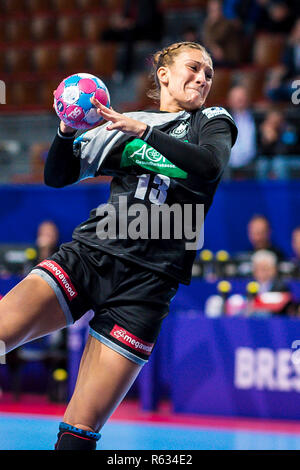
(215,172)
(217,159)
(212,171)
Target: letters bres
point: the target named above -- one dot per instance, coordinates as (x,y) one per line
(267,369)
(61,276)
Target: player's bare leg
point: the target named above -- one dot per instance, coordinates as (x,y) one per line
(30,310)
(103,380)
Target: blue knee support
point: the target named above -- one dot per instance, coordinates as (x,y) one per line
(72,438)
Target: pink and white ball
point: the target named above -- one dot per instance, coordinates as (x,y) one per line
(72,100)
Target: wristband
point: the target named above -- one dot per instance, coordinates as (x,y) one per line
(147,133)
(66,135)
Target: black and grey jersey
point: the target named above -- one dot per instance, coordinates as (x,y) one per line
(162,186)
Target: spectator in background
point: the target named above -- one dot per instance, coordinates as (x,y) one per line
(244,150)
(295,242)
(277,139)
(38,152)
(47,239)
(190,34)
(46,243)
(280,84)
(51,350)
(275,16)
(140,20)
(221,36)
(264,269)
(243,12)
(265,273)
(259,235)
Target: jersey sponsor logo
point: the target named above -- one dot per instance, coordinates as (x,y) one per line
(61,277)
(138,152)
(215,111)
(132,341)
(180,131)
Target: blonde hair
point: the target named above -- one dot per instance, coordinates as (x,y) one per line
(166,57)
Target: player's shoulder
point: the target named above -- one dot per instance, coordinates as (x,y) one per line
(214,114)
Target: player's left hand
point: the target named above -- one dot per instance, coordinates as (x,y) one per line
(119,121)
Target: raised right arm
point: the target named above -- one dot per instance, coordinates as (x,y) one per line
(62,167)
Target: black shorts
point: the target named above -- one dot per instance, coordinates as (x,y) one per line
(129,302)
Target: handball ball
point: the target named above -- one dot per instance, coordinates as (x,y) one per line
(72,100)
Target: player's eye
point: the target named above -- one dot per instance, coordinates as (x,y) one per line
(208,75)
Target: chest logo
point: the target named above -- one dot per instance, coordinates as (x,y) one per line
(180,131)
(138,152)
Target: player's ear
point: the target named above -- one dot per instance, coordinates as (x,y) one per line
(163,75)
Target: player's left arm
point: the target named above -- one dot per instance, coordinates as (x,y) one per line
(207,160)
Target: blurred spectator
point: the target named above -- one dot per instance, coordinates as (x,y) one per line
(280,83)
(273,295)
(46,244)
(275,16)
(264,272)
(222,37)
(277,141)
(47,239)
(243,12)
(190,34)
(259,234)
(50,350)
(38,152)
(140,20)
(264,269)
(244,150)
(295,242)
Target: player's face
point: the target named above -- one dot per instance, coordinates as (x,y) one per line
(187,81)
